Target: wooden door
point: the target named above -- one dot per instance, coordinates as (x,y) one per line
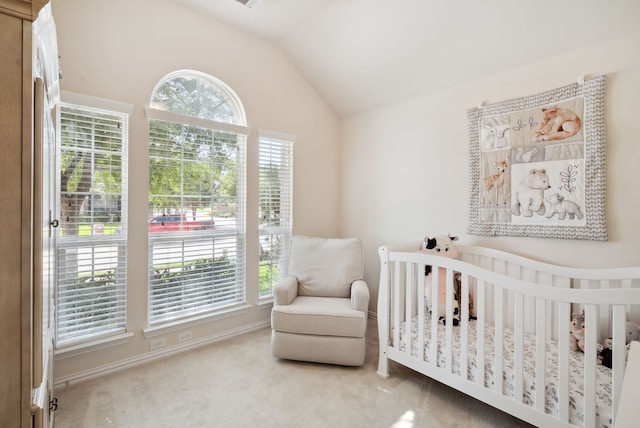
(16,197)
(45,97)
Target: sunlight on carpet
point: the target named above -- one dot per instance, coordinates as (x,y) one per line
(406,420)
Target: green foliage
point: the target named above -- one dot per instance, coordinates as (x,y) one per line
(210,277)
(190,167)
(93,298)
(91,176)
(94,144)
(269,274)
(109,229)
(270,186)
(194,95)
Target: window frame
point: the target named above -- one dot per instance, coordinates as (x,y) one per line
(156,321)
(277,237)
(94,241)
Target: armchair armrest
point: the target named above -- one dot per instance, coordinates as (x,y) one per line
(286,290)
(360,296)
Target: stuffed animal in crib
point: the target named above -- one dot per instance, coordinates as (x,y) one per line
(576,331)
(457,279)
(633,332)
(605,356)
(440,245)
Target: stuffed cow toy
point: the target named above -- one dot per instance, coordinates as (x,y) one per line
(441,245)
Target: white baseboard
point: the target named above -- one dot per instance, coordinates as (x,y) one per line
(148,357)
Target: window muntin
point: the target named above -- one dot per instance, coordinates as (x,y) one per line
(275,160)
(91,247)
(197,190)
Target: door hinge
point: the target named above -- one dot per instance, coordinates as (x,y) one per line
(53,405)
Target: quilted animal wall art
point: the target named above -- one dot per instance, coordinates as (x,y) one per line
(537,164)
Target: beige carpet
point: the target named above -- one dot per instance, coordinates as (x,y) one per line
(238,383)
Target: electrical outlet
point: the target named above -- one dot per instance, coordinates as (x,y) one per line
(158,343)
(184,336)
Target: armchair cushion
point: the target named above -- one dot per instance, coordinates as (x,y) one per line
(329,316)
(326,267)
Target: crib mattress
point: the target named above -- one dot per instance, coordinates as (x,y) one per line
(576,379)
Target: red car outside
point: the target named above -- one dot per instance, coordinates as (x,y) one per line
(177,223)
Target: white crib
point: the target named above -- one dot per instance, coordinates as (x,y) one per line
(521,333)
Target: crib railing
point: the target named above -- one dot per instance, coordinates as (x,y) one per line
(509,292)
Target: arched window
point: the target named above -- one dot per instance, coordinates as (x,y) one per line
(197,210)
(191,93)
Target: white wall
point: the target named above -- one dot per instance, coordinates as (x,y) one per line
(404,173)
(119,50)
(402,168)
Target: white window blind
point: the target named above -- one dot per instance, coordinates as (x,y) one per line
(196,180)
(275,161)
(92,196)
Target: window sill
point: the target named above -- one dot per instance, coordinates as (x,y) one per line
(265,304)
(92,346)
(181,324)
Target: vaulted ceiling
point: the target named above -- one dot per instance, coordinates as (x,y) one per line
(364,54)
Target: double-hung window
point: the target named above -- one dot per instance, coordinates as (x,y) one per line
(196,229)
(275,162)
(91,246)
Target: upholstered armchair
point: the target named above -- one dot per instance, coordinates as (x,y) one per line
(320,306)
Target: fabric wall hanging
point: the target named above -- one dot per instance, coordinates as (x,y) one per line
(537,164)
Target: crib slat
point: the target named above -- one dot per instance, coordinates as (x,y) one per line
(619,339)
(584,284)
(433,350)
(464,336)
(408,307)
(421,311)
(396,305)
(499,338)
(480,334)
(519,346)
(626,283)
(590,352)
(564,313)
(541,340)
(448,350)
(603,313)
(383,313)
